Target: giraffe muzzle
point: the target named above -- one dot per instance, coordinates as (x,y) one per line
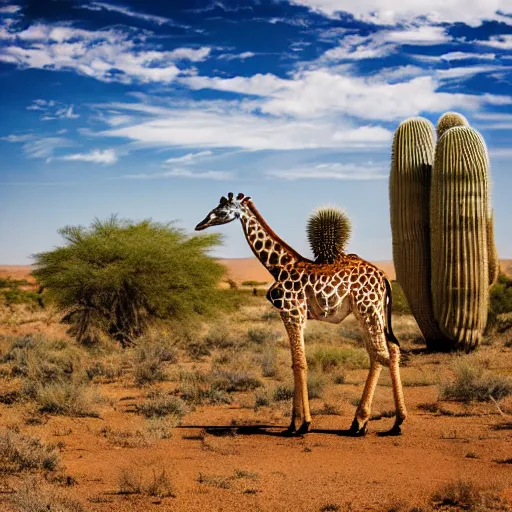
(203,224)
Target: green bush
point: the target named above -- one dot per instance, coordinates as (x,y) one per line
(12,293)
(331,358)
(117,276)
(500,303)
(400,304)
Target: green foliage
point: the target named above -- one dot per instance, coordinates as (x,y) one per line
(117,276)
(501,296)
(332,358)
(400,304)
(11,292)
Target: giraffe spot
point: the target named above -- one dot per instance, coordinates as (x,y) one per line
(273,260)
(264,256)
(328,289)
(278,248)
(258,245)
(297,285)
(283,275)
(285,259)
(288,285)
(268,244)
(275,293)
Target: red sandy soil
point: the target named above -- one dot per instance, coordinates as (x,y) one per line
(281,474)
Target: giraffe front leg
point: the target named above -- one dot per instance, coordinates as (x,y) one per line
(359,425)
(301,416)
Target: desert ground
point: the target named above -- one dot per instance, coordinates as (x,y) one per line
(192,421)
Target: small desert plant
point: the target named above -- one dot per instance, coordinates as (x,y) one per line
(19,452)
(474,383)
(283,392)
(64,397)
(316,384)
(33,497)
(260,336)
(195,388)
(230,381)
(465,495)
(268,361)
(161,404)
(332,358)
(130,481)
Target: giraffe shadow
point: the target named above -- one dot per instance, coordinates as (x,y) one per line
(255,430)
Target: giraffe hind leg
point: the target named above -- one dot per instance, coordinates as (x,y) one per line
(398,395)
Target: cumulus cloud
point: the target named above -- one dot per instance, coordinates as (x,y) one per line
(96,156)
(501,42)
(322,92)
(391,12)
(107,55)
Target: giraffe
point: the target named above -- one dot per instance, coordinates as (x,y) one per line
(329,292)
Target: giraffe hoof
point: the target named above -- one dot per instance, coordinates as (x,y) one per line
(394,431)
(304,428)
(356,430)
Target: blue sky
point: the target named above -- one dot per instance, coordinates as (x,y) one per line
(154,109)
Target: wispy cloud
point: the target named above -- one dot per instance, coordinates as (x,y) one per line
(52,110)
(501,42)
(96,156)
(334,171)
(100,6)
(188,158)
(9,9)
(107,55)
(467,55)
(18,138)
(236,56)
(184,173)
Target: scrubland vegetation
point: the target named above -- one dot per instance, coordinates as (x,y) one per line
(185,410)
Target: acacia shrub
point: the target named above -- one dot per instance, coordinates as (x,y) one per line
(117,276)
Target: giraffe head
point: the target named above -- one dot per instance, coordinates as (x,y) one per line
(227,211)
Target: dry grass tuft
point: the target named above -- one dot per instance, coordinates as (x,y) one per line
(33,497)
(473,383)
(19,452)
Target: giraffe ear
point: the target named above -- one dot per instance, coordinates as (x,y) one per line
(230,196)
(240,196)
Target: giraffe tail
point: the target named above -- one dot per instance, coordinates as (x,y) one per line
(388,330)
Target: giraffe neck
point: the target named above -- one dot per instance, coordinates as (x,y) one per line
(271,250)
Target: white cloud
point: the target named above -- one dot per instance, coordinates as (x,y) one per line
(106,55)
(52,110)
(97,156)
(501,42)
(467,55)
(45,147)
(10,9)
(334,171)
(466,71)
(184,173)
(188,158)
(500,153)
(18,138)
(322,92)
(232,128)
(391,12)
(98,6)
(236,56)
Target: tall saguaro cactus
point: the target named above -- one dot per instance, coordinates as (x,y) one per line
(442,226)
(409,189)
(458,230)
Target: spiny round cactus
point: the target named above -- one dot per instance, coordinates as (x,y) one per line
(328,232)
(409,193)
(450,120)
(458,236)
